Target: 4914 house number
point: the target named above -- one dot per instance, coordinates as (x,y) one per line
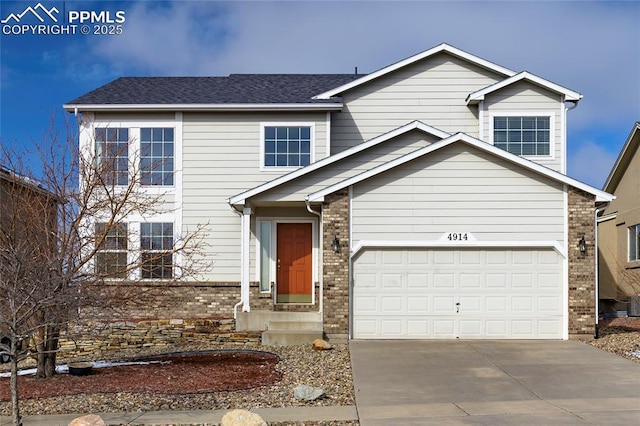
(458,236)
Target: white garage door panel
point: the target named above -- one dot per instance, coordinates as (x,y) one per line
(466,293)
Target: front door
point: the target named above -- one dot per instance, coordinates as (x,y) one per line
(294,263)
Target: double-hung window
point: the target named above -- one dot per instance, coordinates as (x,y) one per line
(287,146)
(634,243)
(156,156)
(523,135)
(156,246)
(112,244)
(112,154)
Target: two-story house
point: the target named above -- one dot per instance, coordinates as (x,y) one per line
(428,199)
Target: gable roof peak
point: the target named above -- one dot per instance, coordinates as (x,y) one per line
(442,47)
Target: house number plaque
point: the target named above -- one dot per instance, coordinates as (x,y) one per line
(457,237)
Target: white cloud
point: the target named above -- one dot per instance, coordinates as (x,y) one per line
(591,163)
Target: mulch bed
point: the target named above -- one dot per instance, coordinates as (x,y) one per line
(186,373)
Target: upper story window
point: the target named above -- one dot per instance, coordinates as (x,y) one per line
(156,246)
(287,146)
(523,135)
(156,156)
(112,154)
(111,256)
(634,243)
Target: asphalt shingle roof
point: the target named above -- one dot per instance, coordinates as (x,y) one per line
(234,89)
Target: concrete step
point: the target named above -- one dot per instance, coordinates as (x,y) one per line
(295,325)
(259,320)
(289,337)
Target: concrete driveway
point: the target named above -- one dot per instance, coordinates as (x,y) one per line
(493,383)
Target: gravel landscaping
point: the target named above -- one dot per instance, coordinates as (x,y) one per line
(330,370)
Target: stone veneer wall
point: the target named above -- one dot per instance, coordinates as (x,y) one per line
(335,217)
(581,266)
(97,338)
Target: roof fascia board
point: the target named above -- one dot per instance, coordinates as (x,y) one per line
(614,176)
(240,198)
(483,146)
(569,95)
(415,58)
(204,107)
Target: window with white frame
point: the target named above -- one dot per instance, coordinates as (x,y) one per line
(634,243)
(112,245)
(156,247)
(523,135)
(156,156)
(112,154)
(287,146)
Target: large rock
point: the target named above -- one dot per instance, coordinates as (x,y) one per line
(89,420)
(242,418)
(308,393)
(321,345)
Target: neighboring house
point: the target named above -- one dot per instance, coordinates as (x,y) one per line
(619,231)
(425,200)
(27,221)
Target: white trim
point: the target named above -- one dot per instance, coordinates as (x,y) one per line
(463,138)
(319,106)
(565,264)
(414,125)
(481,115)
(312,147)
(327,131)
(552,126)
(563,138)
(177,178)
(415,58)
(364,244)
(245,262)
(479,95)
(607,217)
(315,252)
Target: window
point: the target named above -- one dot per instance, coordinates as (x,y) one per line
(287,146)
(634,243)
(156,156)
(111,257)
(523,135)
(156,245)
(112,154)
(265,256)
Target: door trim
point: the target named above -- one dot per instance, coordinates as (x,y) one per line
(315,252)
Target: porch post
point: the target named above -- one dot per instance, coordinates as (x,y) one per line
(244,276)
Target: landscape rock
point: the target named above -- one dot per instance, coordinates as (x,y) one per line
(242,418)
(321,345)
(88,420)
(308,393)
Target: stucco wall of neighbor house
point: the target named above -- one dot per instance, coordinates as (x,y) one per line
(335,218)
(581,265)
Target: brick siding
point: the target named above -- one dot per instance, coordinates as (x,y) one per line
(581,265)
(335,217)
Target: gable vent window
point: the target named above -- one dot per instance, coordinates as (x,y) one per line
(634,243)
(528,136)
(287,146)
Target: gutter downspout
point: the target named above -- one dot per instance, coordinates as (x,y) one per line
(320,257)
(235,307)
(596,331)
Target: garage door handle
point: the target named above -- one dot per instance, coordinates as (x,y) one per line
(457,307)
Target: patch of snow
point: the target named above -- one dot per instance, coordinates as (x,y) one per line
(635,354)
(64,368)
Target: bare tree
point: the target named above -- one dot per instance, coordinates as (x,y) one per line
(64,246)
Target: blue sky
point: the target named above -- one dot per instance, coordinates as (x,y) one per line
(589,47)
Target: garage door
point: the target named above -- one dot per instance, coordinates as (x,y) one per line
(461,293)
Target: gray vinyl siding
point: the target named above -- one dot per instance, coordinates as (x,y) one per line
(432,90)
(458,189)
(221,158)
(343,169)
(524,98)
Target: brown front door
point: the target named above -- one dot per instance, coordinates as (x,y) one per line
(294,263)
